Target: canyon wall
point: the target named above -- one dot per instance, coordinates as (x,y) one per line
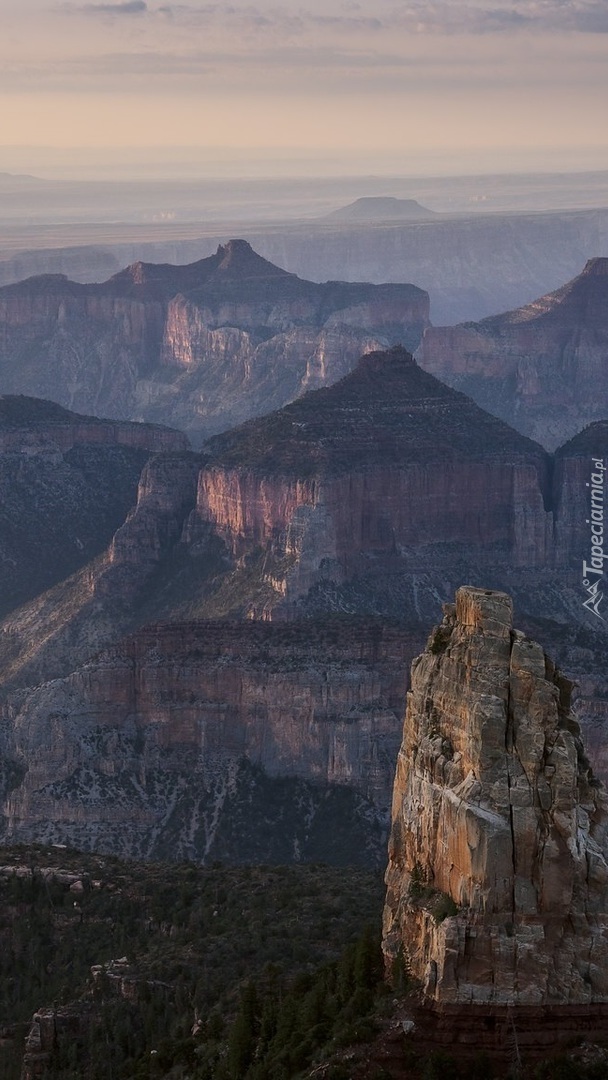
(374,498)
(201,346)
(212,740)
(542,368)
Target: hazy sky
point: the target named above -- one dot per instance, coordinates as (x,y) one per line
(378,84)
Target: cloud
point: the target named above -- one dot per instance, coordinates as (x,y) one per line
(501,16)
(129,7)
(420,18)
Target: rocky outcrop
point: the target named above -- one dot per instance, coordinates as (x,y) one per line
(66,484)
(70,1023)
(208,741)
(497,884)
(201,346)
(542,368)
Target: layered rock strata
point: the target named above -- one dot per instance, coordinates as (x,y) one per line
(389,461)
(542,367)
(208,741)
(497,883)
(201,346)
(377,495)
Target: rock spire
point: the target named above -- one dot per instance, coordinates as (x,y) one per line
(498,859)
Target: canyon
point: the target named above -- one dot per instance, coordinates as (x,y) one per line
(365,503)
(541,367)
(471,264)
(200,347)
(497,882)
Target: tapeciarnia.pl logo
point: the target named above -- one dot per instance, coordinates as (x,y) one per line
(593,571)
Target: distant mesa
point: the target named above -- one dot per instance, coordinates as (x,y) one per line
(9,179)
(381,208)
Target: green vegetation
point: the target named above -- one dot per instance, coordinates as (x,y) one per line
(440,904)
(246,958)
(249,973)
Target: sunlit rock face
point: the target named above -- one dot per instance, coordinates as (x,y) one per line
(542,367)
(388,464)
(497,883)
(200,347)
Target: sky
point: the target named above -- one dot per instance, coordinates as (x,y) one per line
(378,86)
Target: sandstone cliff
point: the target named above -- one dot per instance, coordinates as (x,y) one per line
(497,884)
(387,465)
(542,368)
(200,346)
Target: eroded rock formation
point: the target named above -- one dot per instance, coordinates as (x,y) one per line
(542,367)
(200,347)
(497,884)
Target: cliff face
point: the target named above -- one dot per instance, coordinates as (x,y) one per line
(385,461)
(375,496)
(66,484)
(200,346)
(213,740)
(497,884)
(542,368)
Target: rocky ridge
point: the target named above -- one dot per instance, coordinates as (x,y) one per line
(201,346)
(542,368)
(452,257)
(497,884)
(66,484)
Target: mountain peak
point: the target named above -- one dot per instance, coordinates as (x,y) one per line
(387,410)
(237,259)
(597,267)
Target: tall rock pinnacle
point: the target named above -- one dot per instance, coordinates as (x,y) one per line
(498,860)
